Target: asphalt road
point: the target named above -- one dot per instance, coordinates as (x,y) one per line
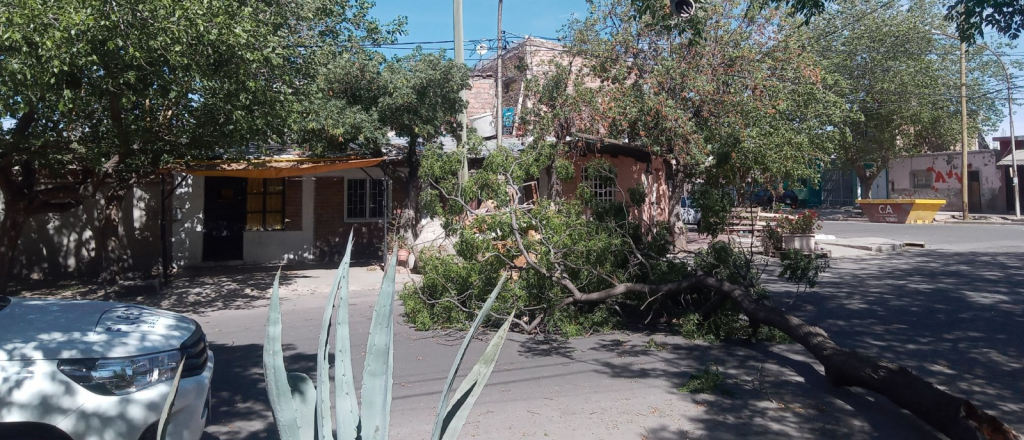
(951,312)
(990,238)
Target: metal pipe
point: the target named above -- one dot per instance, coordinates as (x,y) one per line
(500,85)
(963,127)
(460,58)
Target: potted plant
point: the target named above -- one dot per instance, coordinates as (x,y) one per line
(398,239)
(798,231)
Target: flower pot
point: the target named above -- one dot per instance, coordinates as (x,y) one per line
(801,242)
(403,258)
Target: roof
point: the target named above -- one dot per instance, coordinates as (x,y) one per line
(276,167)
(1008,160)
(599,145)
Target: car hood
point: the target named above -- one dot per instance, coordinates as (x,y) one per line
(57,329)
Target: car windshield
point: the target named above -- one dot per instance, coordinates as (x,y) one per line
(4,302)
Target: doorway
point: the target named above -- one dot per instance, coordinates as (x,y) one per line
(974,191)
(224,218)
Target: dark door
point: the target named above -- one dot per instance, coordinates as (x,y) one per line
(1009,188)
(224,218)
(974,191)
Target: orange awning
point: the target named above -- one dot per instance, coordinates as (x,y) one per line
(275,168)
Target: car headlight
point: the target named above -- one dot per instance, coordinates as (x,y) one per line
(120,376)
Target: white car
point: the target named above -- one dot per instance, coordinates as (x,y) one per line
(90,370)
(691,215)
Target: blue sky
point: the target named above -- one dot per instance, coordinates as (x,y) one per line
(431,20)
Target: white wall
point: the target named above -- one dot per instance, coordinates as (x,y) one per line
(187,227)
(55,245)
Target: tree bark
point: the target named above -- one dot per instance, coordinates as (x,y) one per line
(953,416)
(866,179)
(554,188)
(677,231)
(411,208)
(111,243)
(11,226)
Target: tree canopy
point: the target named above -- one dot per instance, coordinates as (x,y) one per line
(969,17)
(901,82)
(101,92)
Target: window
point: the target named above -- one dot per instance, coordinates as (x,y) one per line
(265,205)
(365,199)
(601,184)
(921,179)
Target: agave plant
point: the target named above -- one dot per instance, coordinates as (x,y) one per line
(302,410)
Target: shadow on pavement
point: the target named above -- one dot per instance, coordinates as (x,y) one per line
(954,318)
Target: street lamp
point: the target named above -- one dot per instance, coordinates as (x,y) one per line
(1009,109)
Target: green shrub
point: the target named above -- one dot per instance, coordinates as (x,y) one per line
(707,381)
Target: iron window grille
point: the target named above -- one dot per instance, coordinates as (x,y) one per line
(365,199)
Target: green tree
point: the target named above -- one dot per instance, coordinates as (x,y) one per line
(900,81)
(420,102)
(102,94)
(969,17)
(741,100)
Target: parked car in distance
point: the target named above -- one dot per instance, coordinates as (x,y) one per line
(691,215)
(765,198)
(92,370)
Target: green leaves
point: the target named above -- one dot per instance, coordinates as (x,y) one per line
(300,409)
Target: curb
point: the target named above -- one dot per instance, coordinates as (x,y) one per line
(876,248)
(981,222)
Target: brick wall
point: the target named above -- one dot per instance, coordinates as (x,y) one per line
(330,230)
(293,204)
(480,97)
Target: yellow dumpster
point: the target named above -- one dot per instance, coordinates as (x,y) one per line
(900,210)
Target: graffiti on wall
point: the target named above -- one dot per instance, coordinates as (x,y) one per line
(941,177)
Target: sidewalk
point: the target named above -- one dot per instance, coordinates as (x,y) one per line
(838,247)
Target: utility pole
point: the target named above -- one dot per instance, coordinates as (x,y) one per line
(460,58)
(1009,109)
(1013,139)
(497,78)
(963,127)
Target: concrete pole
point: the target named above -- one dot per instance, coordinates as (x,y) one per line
(963,127)
(497,79)
(460,58)
(1013,140)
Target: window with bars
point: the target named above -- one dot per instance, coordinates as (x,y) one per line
(365,199)
(264,205)
(921,179)
(601,185)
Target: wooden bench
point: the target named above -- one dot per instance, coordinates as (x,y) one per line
(746,221)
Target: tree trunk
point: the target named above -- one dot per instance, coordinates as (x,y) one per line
(554,188)
(411,208)
(111,243)
(953,416)
(866,179)
(11,226)
(677,231)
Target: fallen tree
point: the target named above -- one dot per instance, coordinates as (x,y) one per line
(953,416)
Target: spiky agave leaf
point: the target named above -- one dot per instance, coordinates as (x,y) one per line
(346,407)
(456,414)
(446,391)
(323,389)
(286,413)
(378,370)
(165,415)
